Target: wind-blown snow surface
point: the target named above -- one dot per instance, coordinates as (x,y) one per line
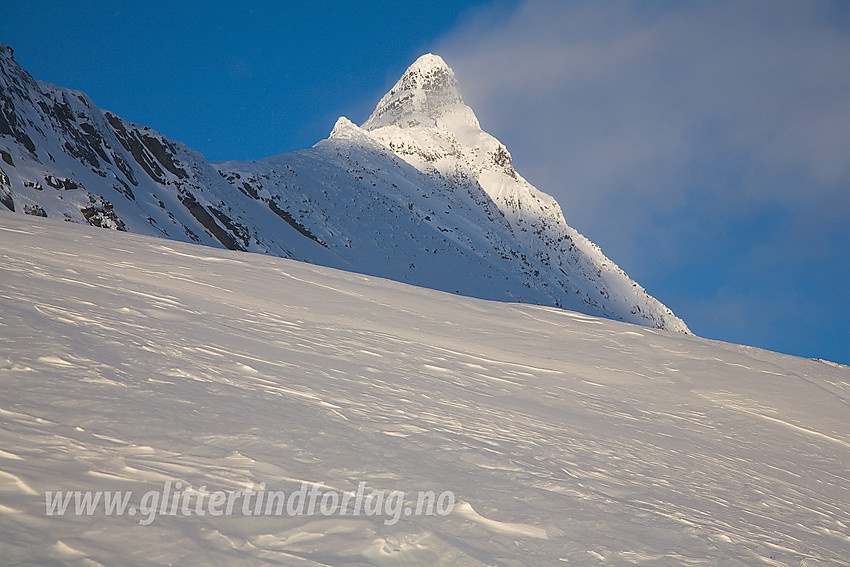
(129,361)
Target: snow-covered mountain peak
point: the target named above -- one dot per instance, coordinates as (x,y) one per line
(345,128)
(346,133)
(424,120)
(423,96)
(429,63)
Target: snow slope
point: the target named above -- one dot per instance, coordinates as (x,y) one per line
(130,361)
(419,194)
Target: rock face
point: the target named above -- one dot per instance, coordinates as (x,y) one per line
(418,194)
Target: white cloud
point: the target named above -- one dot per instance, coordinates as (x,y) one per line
(650,118)
(617,98)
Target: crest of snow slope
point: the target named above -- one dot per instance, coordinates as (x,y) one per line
(567,439)
(424,119)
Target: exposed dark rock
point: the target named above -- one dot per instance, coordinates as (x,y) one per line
(61,183)
(6,193)
(249,191)
(164,154)
(9,126)
(35,210)
(293,223)
(235,228)
(132,144)
(101,214)
(92,136)
(203,216)
(125,190)
(125,168)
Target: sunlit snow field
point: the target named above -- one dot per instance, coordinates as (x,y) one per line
(128,362)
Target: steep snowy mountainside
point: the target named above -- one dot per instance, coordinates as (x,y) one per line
(386,217)
(419,194)
(129,362)
(63,157)
(517,246)
(424,119)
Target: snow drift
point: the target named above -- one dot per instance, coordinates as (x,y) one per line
(130,361)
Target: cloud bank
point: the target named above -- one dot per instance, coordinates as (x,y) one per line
(704,145)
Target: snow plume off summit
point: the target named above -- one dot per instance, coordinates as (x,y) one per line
(418,194)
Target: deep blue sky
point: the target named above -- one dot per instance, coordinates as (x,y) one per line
(233,80)
(705,146)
